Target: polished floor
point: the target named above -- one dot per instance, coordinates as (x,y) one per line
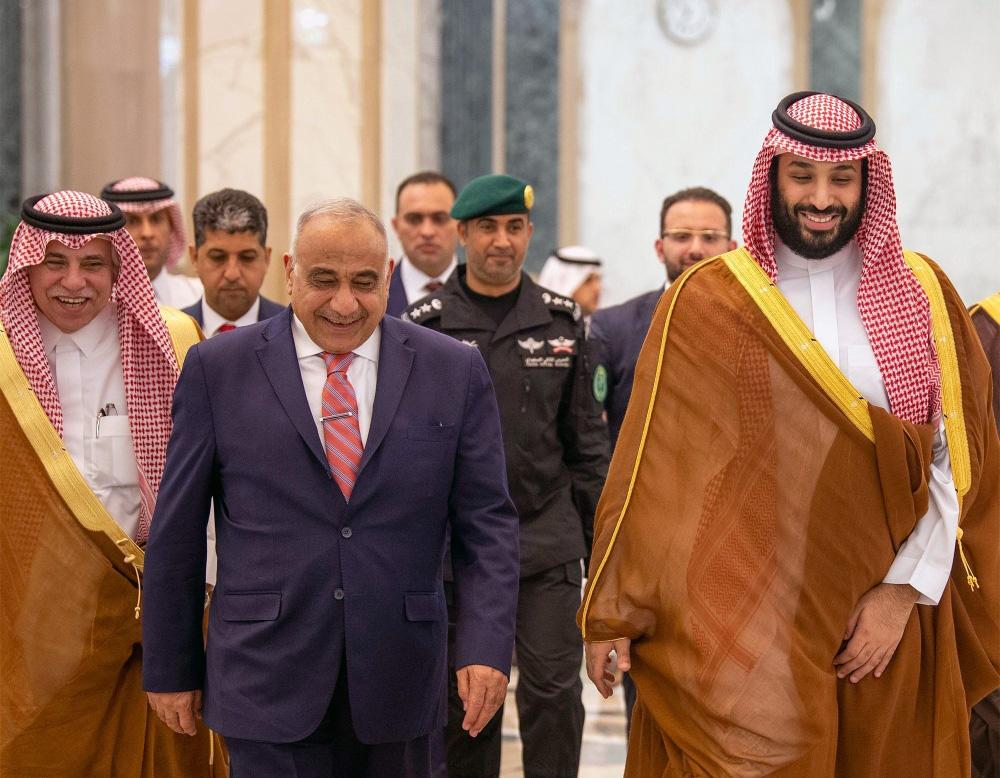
(603,754)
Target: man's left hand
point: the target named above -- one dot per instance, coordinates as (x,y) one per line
(874,630)
(483,690)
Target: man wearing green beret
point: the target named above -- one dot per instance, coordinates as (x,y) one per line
(556,446)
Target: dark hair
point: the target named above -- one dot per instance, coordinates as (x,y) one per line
(229,210)
(424,177)
(699,194)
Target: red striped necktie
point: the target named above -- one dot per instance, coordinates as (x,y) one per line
(341,431)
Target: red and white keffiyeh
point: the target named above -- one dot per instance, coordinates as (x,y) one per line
(148,362)
(178,237)
(892,304)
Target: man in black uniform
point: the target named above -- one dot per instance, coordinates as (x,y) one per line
(556,446)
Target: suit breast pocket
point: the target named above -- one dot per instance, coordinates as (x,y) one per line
(430,459)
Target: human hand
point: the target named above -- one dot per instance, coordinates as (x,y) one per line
(178,710)
(482,690)
(599,659)
(874,630)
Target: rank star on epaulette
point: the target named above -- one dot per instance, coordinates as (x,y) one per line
(426,308)
(562,345)
(471,343)
(530,345)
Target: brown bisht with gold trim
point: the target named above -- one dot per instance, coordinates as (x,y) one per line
(984,728)
(753,498)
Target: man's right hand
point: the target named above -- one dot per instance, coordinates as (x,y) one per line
(178,710)
(599,662)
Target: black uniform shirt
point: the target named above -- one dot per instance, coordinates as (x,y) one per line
(555,440)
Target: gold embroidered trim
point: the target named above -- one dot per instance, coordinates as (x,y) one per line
(679,283)
(184,331)
(990,306)
(799,339)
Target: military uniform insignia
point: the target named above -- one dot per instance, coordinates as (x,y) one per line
(600,384)
(471,343)
(530,345)
(563,345)
(418,312)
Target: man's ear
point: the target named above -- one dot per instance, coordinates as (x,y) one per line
(658,248)
(463,232)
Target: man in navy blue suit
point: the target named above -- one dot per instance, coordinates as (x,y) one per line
(231,255)
(338,446)
(428,235)
(695,224)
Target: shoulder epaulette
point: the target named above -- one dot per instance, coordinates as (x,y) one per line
(423,310)
(566,305)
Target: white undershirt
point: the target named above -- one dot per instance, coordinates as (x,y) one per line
(824,293)
(363,374)
(176,290)
(415,280)
(213,321)
(87,369)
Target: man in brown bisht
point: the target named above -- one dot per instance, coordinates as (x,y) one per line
(984,728)
(87,370)
(809,437)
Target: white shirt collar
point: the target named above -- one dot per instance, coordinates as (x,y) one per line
(213,321)
(305,346)
(88,338)
(415,279)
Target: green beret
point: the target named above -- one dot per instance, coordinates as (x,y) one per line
(493,195)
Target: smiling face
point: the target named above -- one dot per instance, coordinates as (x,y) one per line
(691,231)
(816,206)
(151,233)
(495,247)
(338,281)
(71,286)
(231,266)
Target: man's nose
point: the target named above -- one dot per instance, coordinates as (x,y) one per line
(822,196)
(343,301)
(231,271)
(74,279)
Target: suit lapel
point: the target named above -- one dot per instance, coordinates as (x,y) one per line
(281,366)
(394,363)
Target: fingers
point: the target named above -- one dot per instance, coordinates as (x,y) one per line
(495,694)
(885,660)
(598,655)
(178,710)
(852,622)
(186,721)
(623,649)
(463,685)
(474,703)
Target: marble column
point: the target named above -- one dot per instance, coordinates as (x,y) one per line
(835,50)
(466,88)
(10,105)
(532,114)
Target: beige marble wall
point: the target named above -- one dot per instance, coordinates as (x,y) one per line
(326,101)
(937,109)
(656,116)
(230,147)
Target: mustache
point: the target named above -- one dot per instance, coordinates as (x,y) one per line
(89,294)
(833,210)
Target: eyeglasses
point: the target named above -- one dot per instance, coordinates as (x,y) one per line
(686,236)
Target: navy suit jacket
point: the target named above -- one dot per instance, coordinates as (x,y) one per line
(397,294)
(302,575)
(617,334)
(268,308)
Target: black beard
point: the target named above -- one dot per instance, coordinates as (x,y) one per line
(804,242)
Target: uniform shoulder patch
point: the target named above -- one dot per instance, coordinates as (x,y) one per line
(423,311)
(565,305)
(600,385)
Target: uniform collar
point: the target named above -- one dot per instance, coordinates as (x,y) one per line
(529,310)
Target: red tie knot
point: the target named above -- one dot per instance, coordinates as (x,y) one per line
(225,327)
(338,363)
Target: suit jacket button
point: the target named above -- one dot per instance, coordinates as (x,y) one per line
(346,532)
(338,594)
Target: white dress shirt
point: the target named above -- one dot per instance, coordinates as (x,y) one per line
(87,368)
(363,374)
(213,321)
(415,280)
(824,293)
(176,290)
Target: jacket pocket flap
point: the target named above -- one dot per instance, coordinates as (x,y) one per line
(432,433)
(424,606)
(249,606)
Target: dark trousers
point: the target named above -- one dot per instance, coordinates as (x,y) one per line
(549,655)
(984,732)
(332,751)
